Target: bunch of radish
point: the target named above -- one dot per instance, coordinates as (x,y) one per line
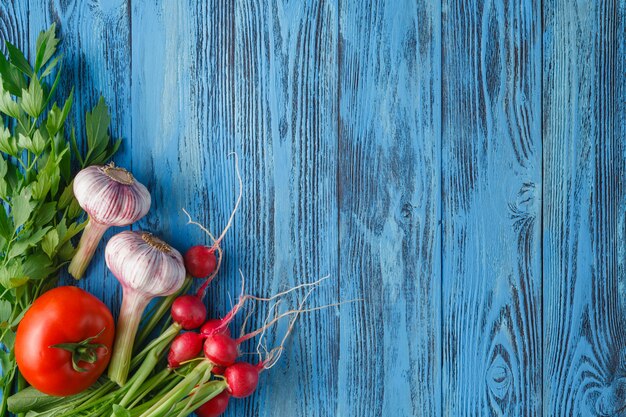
(211,340)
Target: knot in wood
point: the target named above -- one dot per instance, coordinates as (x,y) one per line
(407,211)
(612,398)
(499,377)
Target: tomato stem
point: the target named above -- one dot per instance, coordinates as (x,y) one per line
(84,351)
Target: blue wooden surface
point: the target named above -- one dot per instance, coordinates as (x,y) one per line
(458,165)
(491,209)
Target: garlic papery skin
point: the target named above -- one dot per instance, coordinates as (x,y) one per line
(147,267)
(111,197)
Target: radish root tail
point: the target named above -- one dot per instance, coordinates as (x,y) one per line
(216,241)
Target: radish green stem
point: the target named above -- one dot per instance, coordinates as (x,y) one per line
(86,248)
(177,377)
(168,333)
(204,393)
(136,410)
(163,406)
(152,383)
(144,371)
(87,405)
(88,399)
(133,304)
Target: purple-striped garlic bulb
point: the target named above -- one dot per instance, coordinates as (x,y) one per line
(147,267)
(111,196)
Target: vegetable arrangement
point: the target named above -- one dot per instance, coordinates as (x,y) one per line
(65,338)
(41,215)
(176,373)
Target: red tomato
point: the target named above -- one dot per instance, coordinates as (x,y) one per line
(62,321)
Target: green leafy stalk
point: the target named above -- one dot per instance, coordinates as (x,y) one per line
(204,393)
(198,376)
(40,215)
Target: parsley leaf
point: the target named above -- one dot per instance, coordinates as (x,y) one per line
(46,46)
(21,208)
(99,148)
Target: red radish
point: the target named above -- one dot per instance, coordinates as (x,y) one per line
(220,326)
(221,349)
(218,370)
(188,311)
(242,378)
(200,261)
(185,347)
(214,407)
(214,326)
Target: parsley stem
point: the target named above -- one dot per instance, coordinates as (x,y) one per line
(21,384)
(32,164)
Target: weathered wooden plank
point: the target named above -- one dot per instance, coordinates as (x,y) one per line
(183,115)
(286,133)
(584,200)
(14,26)
(183,124)
(95,43)
(491,172)
(619,123)
(211,194)
(389,179)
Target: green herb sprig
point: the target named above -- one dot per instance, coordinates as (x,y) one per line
(40,215)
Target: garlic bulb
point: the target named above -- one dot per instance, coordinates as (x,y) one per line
(147,267)
(111,197)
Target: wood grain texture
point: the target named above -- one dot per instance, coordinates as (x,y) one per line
(210,110)
(389,176)
(584,196)
(95,44)
(457,165)
(286,133)
(491,179)
(183,124)
(14,25)
(183,127)
(619,125)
